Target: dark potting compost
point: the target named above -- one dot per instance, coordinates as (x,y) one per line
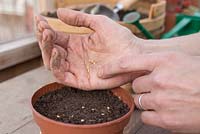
(74,106)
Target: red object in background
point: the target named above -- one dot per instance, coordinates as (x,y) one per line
(178,5)
(196,3)
(187,3)
(174,7)
(178,9)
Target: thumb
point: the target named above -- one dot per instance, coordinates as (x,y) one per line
(131,63)
(76,18)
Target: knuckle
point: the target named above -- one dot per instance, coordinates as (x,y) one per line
(124,62)
(100,20)
(78,20)
(43,24)
(159,81)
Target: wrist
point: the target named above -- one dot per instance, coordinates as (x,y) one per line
(152,46)
(145,46)
(136,45)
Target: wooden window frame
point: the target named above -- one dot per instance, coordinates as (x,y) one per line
(18,51)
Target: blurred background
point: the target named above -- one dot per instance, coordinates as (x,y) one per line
(16,16)
(16,19)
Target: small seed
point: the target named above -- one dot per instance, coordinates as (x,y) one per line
(102,114)
(92,62)
(93,109)
(108,108)
(82,120)
(58,116)
(82,107)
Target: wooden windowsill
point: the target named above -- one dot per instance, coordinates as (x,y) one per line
(18,51)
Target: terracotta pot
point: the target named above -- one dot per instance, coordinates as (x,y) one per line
(49,126)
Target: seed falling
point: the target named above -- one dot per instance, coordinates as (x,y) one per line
(108,108)
(102,114)
(88,70)
(82,120)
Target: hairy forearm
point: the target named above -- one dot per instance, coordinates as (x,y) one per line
(187,44)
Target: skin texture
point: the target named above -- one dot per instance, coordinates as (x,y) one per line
(170,80)
(185,44)
(75,59)
(171,87)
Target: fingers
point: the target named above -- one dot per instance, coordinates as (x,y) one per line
(57,37)
(37,21)
(146,101)
(151,118)
(46,46)
(117,81)
(76,18)
(60,67)
(41,27)
(45,37)
(146,62)
(39,18)
(59,60)
(143,84)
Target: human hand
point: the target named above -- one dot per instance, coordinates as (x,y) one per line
(74,59)
(170,87)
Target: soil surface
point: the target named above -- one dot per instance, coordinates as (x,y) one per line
(75,106)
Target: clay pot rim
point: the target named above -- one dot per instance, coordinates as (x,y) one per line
(82,125)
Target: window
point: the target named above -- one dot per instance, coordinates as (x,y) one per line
(17,40)
(16,19)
